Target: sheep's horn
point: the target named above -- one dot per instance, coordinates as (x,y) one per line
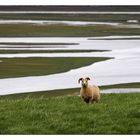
(88,78)
(79,80)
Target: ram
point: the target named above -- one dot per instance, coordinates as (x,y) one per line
(89,93)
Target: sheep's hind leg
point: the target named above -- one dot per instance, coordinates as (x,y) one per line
(93,101)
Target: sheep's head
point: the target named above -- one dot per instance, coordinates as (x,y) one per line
(84,81)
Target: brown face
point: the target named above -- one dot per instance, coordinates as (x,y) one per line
(84,81)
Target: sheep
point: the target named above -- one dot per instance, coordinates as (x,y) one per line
(89,93)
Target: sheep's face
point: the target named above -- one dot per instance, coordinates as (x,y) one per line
(84,82)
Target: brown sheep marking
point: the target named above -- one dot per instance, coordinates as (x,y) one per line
(89,93)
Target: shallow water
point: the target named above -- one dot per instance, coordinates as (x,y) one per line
(71,23)
(124,68)
(74,23)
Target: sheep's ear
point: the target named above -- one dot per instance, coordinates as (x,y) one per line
(88,78)
(79,80)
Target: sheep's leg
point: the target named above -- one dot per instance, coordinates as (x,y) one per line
(87,99)
(97,101)
(92,101)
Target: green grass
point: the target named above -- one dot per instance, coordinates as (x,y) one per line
(17,67)
(31,30)
(72,17)
(28,44)
(46,51)
(126,85)
(114,114)
(44,94)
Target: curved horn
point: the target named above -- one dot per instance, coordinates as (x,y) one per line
(79,80)
(88,78)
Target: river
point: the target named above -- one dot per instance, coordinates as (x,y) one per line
(123,68)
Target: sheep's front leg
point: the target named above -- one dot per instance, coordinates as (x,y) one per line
(87,99)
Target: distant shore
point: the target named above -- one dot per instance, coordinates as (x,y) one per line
(70,8)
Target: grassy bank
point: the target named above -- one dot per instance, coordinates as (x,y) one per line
(45,51)
(66,92)
(126,85)
(103,8)
(37,44)
(115,114)
(17,67)
(32,30)
(71,17)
